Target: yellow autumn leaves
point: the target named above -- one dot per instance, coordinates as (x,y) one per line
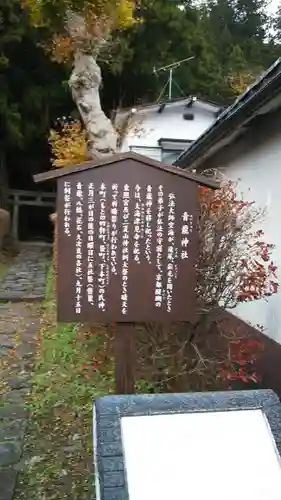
(239,82)
(69,147)
(120,13)
(125,13)
(100,18)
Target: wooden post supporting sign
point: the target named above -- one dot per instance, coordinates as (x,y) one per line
(125,358)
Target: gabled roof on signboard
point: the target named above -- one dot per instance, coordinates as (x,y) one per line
(61,172)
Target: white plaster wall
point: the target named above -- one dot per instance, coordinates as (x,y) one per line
(153,153)
(260,174)
(169,124)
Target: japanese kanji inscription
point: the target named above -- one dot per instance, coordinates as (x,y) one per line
(127,245)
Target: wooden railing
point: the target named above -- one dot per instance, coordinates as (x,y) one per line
(18,198)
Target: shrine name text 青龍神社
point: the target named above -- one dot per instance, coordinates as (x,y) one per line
(127,240)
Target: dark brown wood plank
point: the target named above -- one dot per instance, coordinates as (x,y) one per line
(125,358)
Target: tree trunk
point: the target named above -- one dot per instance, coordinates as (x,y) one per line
(84,83)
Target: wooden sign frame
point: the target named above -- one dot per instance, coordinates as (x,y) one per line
(127,247)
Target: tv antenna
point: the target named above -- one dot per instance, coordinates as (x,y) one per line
(169,83)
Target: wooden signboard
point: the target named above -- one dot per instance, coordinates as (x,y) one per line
(127,241)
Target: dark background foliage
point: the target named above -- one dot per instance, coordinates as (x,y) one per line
(232,41)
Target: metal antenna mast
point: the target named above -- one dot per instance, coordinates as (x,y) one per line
(170,68)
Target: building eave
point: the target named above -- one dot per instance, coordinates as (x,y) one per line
(168,103)
(230,123)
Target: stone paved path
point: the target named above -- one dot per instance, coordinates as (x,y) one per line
(19,321)
(25,279)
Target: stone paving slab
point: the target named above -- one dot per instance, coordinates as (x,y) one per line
(12,412)
(10,452)
(19,322)
(10,428)
(8,477)
(18,297)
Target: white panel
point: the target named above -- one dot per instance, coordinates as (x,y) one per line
(95,453)
(201,456)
